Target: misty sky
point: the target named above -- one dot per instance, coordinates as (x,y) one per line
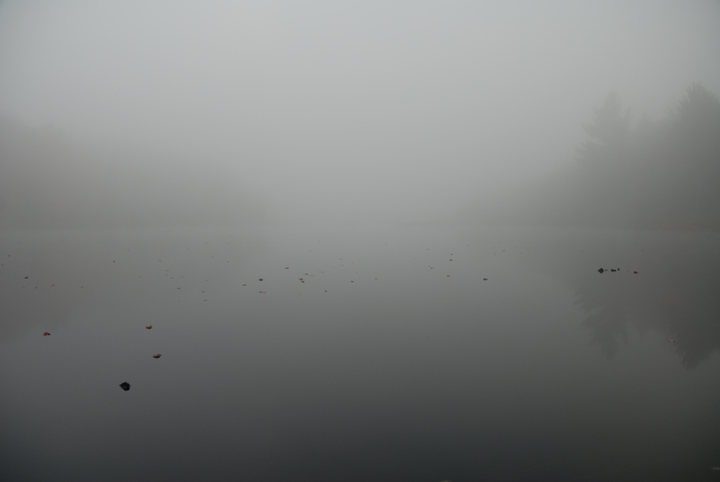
(353,110)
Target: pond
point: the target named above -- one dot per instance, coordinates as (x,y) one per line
(403,353)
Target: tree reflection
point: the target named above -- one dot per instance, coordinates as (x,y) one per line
(675,291)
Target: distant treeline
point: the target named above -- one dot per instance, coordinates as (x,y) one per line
(649,174)
(47,182)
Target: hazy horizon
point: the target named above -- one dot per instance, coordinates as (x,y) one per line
(360,112)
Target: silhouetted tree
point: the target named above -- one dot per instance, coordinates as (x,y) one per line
(608,131)
(698,110)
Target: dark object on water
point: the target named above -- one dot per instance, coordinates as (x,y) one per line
(125,386)
(613,270)
(157,356)
(601,271)
(149,327)
(47,333)
(635,272)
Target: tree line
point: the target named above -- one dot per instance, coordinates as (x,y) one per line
(661,174)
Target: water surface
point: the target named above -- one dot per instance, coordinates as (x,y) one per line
(364,354)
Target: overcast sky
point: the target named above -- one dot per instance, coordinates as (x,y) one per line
(350,109)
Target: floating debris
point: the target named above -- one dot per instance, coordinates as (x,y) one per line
(485,279)
(613,270)
(601,271)
(125,386)
(27,277)
(47,333)
(149,327)
(244,284)
(670,340)
(157,356)
(262,292)
(634,272)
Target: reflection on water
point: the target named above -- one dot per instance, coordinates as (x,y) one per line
(668,283)
(361,355)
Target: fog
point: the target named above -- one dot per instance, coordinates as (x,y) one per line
(393,241)
(320,112)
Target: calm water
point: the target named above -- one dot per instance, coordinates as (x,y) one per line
(394,360)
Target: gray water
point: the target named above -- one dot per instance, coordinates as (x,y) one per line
(394,360)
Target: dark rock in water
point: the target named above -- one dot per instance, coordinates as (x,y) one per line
(601,271)
(125,386)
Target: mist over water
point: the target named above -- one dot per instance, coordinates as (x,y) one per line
(367,238)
